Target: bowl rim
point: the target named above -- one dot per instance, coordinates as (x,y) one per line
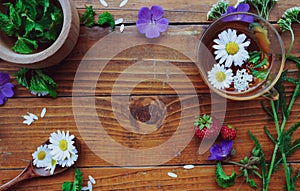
(270,85)
(9,55)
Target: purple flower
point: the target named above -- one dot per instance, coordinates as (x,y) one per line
(6,88)
(220,151)
(150,21)
(243,7)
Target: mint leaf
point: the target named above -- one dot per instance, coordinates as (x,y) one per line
(10,23)
(88,16)
(45,4)
(25,46)
(222,179)
(66,186)
(21,77)
(41,83)
(107,18)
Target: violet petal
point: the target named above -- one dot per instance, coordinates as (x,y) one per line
(144,13)
(230,9)
(2,98)
(142,25)
(157,12)
(7,90)
(4,78)
(243,7)
(162,24)
(152,31)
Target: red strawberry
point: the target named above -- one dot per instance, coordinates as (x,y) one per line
(228,132)
(206,126)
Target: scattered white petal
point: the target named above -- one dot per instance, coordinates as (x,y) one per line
(122,27)
(119,21)
(90,186)
(171,174)
(188,166)
(33,116)
(85,188)
(103,2)
(28,121)
(44,110)
(123,3)
(92,180)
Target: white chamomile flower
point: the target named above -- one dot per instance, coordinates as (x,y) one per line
(230,48)
(241,80)
(61,145)
(42,156)
(51,166)
(220,77)
(69,162)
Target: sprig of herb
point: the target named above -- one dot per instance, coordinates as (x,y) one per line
(263,7)
(30,24)
(217,10)
(87,17)
(36,81)
(77,184)
(285,23)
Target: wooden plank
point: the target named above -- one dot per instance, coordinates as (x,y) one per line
(155,178)
(18,139)
(64,73)
(177,11)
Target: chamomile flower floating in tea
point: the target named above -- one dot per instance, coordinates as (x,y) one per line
(42,156)
(220,77)
(230,48)
(61,145)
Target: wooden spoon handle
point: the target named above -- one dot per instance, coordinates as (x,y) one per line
(25,174)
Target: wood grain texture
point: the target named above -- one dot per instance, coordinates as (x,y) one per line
(200,178)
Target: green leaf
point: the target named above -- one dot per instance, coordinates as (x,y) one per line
(261,74)
(261,64)
(107,18)
(77,184)
(30,7)
(21,77)
(45,4)
(66,186)
(217,10)
(252,183)
(222,179)
(24,45)
(282,95)
(285,140)
(262,157)
(269,135)
(41,83)
(88,16)
(10,23)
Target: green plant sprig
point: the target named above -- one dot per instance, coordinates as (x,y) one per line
(263,7)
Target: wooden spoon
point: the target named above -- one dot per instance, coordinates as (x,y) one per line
(32,171)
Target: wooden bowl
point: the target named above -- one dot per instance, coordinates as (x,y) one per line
(57,51)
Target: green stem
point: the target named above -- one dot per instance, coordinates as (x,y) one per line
(275,117)
(287,171)
(276,146)
(292,43)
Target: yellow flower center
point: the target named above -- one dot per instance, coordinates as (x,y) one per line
(232,48)
(63,145)
(41,155)
(53,162)
(220,76)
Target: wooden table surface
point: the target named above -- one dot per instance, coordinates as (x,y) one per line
(19,141)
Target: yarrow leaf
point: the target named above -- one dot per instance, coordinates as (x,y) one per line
(222,179)
(107,18)
(87,17)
